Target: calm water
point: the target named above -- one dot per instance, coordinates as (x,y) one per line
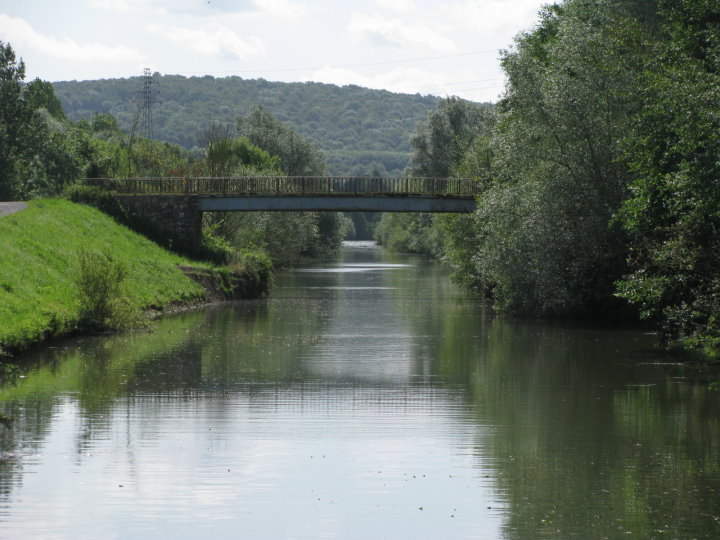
(367,398)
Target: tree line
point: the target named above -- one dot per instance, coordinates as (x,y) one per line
(599,167)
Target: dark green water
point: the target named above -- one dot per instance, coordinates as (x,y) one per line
(367,398)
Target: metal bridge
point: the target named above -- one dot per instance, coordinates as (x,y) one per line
(303,193)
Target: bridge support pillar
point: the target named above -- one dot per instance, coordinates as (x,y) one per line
(173,221)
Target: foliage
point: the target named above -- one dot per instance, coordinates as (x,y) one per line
(228,155)
(333,228)
(42,152)
(547,242)
(673,213)
(40,94)
(298,156)
(355,127)
(269,147)
(256,266)
(439,146)
(284,236)
(440,142)
(101,292)
(409,233)
(15,120)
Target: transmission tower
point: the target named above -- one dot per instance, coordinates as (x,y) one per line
(146,102)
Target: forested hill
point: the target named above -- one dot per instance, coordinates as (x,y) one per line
(358,129)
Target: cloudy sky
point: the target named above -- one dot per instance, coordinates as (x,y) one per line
(428,46)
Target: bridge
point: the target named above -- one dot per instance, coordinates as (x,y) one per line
(306,193)
(169,210)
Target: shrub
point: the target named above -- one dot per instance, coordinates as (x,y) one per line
(101,293)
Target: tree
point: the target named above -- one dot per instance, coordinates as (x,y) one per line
(41,95)
(225,153)
(548,242)
(298,157)
(15,117)
(439,146)
(673,213)
(440,143)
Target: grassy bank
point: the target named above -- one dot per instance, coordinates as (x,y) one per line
(39,250)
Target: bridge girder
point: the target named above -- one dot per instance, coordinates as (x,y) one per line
(336,204)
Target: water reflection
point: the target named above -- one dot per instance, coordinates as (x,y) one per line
(367,398)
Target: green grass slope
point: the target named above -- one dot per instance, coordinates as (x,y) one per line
(38,265)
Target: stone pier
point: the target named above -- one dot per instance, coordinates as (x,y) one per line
(173,221)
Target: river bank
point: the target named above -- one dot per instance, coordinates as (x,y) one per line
(39,261)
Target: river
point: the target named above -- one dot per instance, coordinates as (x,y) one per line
(367,397)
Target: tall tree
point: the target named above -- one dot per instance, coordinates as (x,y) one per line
(440,142)
(15,117)
(298,157)
(439,145)
(548,241)
(673,214)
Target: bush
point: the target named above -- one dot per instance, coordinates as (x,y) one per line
(101,293)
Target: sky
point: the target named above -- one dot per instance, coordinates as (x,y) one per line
(443,48)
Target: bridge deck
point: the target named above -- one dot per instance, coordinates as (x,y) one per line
(285,193)
(300,203)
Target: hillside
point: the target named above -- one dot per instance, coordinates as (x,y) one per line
(358,129)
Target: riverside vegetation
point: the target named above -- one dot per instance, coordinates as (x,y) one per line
(599,168)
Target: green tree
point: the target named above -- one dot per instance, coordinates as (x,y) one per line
(548,243)
(440,142)
(439,146)
(673,214)
(298,157)
(225,154)
(287,236)
(15,118)
(41,95)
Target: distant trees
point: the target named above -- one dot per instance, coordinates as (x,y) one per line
(353,126)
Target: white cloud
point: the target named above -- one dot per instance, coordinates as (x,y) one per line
(398,32)
(397,6)
(114,5)
(497,17)
(280,8)
(275,8)
(19,32)
(215,40)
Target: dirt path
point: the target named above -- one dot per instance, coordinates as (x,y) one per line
(7,208)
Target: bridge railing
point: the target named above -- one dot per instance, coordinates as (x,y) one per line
(352,186)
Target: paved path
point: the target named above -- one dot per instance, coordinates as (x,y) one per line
(7,208)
